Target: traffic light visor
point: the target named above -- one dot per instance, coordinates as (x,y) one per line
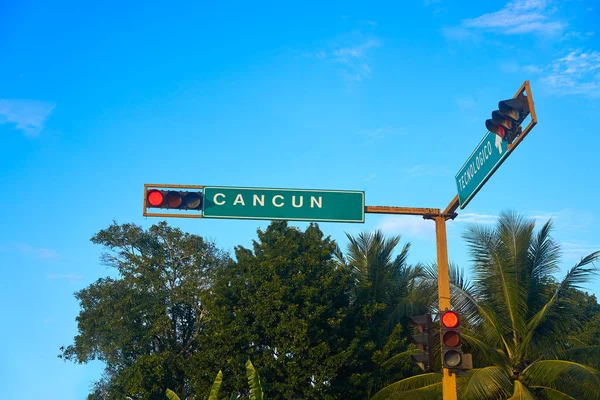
(515,108)
(420,321)
(494,128)
(500,119)
(450,319)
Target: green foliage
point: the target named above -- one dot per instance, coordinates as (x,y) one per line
(143,324)
(285,304)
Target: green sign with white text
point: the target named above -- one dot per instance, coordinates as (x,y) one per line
(284,204)
(485,160)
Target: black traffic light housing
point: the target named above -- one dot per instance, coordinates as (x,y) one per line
(506,121)
(424,339)
(452,355)
(174,199)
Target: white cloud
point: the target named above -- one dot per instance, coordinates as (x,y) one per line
(465,103)
(408,226)
(518,17)
(27,249)
(72,278)
(475,218)
(369,177)
(351,51)
(575,251)
(28,115)
(420,170)
(355,59)
(515,18)
(576,73)
(368,22)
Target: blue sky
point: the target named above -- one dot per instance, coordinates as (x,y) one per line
(97,99)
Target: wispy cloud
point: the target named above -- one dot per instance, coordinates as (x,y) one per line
(369,177)
(577,73)
(465,103)
(565,222)
(368,22)
(518,17)
(475,218)
(29,250)
(28,116)
(72,278)
(374,135)
(513,67)
(420,170)
(407,226)
(354,59)
(575,250)
(350,51)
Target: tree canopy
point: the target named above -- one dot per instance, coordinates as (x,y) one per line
(322,323)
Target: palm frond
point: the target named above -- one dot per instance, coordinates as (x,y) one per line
(171,395)
(496,255)
(548,393)
(579,274)
(486,353)
(214,391)
(408,384)
(429,392)
(256,390)
(521,392)
(400,357)
(338,256)
(544,254)
(484,383)
(551,372)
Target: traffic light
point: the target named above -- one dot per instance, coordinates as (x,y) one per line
(452,355)
(174,199)
(424,340)
(506,121)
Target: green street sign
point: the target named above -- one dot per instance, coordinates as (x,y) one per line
(286,204)
(485,160)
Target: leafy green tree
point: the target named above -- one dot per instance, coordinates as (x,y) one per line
(144,323)
(284,304)
(522,319)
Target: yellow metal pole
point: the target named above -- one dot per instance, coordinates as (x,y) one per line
(448,380)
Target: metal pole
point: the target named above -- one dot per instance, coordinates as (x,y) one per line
(448,380)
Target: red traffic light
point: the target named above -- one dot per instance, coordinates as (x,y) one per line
(155,198)
(450,319)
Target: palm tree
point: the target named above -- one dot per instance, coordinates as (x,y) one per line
(384,292)
(517,318)
(383,280)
